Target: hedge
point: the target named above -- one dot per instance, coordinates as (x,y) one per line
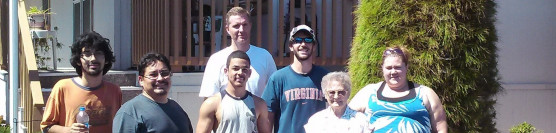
(453,48)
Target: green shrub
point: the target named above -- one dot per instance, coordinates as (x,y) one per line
(4,129)
(453,47)
(523,128)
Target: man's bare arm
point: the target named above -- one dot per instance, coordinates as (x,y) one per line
(207,115)
(263,124)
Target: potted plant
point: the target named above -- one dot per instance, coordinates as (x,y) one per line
(524,128)
(43,48)
(38,18)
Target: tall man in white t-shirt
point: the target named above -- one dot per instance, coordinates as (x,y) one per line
(238,26)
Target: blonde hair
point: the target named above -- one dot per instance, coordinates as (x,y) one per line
(237,11)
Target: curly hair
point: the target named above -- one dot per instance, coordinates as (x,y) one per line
(93,41)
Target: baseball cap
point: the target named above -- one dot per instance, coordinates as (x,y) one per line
(303,28)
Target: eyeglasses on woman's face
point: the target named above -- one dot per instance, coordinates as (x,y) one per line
(340,93)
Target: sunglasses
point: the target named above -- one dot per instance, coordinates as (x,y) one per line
(391,51)
(306,40)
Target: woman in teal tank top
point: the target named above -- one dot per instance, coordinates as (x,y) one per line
(397,105)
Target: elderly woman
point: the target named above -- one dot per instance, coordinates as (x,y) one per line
(337,117)
(397,104)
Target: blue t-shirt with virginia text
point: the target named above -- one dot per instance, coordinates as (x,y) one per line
(293,98)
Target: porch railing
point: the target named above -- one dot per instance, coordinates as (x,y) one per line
(174,28)
(4,34)
(31,95)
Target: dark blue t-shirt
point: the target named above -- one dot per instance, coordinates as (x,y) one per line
(143,115)
(294,97)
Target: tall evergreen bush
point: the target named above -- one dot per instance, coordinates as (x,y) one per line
(453,51)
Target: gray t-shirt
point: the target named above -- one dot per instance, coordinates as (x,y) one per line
(142,115)
(238,114)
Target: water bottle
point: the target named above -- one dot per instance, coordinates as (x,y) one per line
(82,117)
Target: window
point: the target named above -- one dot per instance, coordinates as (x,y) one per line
(82,17)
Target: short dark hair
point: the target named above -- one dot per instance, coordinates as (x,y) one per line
(93,41)
(238,54)
(151,58)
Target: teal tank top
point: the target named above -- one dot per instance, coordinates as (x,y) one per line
(399,115)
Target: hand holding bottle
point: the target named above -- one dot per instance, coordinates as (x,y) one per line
(78,128)
(82,124)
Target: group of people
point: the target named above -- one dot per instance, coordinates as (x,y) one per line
(244,92)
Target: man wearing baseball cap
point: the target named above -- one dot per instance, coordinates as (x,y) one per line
(293,93)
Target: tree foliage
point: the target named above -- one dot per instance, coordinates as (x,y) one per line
(453,51)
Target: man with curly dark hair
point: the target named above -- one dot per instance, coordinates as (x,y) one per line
(92,57)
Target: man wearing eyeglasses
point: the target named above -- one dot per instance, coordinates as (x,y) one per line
(293,93)
(152,111)
(92,57)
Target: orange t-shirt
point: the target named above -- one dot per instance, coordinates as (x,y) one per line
(101,105)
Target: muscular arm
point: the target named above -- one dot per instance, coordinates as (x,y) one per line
(436,112)
(207,115)
(263,124)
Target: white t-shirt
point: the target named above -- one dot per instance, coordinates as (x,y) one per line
(214,78)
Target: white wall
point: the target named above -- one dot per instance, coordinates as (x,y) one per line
(189,100)
(103,20)
(185,91)
(4,94)
(111,19)
(533,103)
(526,60)
(527,41)
(122,34)
(63,19)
